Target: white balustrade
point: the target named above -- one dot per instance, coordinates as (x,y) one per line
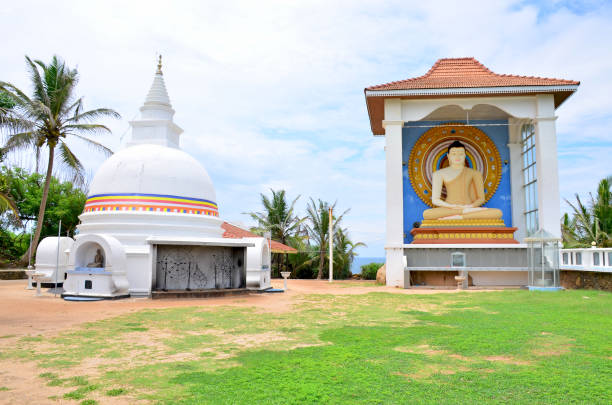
(586,259)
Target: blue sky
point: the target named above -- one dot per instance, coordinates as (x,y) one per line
(270,93)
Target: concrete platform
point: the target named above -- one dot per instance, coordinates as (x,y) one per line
(173,294)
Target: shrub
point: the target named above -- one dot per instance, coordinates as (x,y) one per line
(368,271)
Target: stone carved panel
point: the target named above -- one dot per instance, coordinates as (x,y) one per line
(199,267)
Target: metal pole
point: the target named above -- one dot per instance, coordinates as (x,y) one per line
(331,245)
(59,236)
(542,255)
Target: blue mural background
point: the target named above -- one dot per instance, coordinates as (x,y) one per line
(502,199)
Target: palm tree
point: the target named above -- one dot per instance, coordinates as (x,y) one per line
(592,222)
(277,218)
(6,200)
(317,215)
(47,119)
(344,251)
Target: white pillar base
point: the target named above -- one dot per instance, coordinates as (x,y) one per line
(395,266)
(29,273)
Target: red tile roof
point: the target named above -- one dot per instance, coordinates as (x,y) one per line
(466,73)
(234,232)
(454,74)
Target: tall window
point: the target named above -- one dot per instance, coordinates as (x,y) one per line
(530,186)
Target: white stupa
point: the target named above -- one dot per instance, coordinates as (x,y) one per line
(152,212)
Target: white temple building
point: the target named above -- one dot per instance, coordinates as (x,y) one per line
(151,221)
(506,124)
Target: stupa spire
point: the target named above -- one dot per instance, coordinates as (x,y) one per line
(158,95)
(155,125)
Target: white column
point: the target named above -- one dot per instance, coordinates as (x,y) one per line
(549,202)
(518,193)
(516,178)
(393,125)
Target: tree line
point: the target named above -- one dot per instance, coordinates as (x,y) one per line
(308,234)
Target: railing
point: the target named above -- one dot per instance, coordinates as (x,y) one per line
(586,259)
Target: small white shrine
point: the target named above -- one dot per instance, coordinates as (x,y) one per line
(151,221)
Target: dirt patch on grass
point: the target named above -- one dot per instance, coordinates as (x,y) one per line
(24,385)
(434,369)
(429,351)
(508,360)
(257,339)
(551,345)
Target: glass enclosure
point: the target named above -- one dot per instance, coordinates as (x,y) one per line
(543,260)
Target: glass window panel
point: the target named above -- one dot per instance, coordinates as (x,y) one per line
(525,177)
(530,226)
(565,258)
(529,198)
(595,258)
(578,258)
(609,258)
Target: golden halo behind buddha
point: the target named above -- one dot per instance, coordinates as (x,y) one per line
(429,154)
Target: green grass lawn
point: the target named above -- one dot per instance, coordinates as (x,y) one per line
(491,347)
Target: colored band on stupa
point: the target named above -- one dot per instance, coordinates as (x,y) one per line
(152,203)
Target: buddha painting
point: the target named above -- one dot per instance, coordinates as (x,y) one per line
(464,191)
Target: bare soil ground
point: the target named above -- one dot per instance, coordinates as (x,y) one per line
(23,314)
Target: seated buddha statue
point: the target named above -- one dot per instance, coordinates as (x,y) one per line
(464,190)
(98,260)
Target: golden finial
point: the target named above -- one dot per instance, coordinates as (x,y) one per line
(159,65)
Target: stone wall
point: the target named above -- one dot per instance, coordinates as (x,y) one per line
(572,279)
(11,274)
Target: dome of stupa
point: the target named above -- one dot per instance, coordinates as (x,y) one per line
(152,176)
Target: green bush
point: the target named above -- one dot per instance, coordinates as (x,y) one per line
(368,271)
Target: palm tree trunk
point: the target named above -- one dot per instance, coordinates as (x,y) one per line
(321,260)
(41,210)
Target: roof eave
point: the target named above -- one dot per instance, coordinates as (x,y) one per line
(563,91)
(471,90)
